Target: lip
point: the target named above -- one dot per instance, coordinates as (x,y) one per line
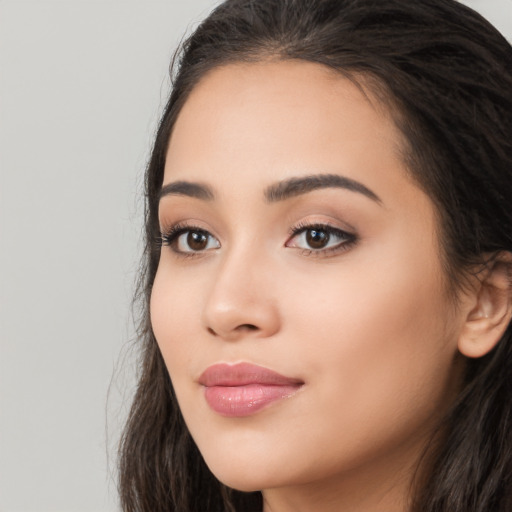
(242,389)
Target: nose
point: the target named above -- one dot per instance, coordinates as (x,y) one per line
(242,301)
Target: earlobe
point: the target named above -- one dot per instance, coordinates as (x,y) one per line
(491,312)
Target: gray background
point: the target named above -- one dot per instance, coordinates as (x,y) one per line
(81,85)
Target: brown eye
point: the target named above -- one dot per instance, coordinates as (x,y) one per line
(191,241)
(197,240)
(317,239)
(321,239)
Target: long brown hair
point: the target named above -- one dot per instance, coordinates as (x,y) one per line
(446,75)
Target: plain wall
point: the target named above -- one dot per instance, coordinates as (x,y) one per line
(81,85)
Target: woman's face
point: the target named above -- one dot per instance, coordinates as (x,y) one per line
(295,243)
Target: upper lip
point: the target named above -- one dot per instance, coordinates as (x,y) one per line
(243,374)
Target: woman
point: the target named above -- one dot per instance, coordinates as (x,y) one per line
(327,290)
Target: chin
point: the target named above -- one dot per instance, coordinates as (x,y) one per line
(245,480)
(247,472)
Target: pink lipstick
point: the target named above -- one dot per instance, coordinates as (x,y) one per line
(244,389)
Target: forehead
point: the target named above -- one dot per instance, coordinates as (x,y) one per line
(273,120)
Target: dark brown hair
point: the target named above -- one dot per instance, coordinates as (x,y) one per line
(445,74)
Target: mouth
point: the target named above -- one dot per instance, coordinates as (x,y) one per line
(244,389)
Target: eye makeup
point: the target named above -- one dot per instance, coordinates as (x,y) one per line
(188,240)
(315,239)
(320,239)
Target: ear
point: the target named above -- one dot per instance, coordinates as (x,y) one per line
(491,308)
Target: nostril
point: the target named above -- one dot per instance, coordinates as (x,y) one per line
(233,333)
(247,327)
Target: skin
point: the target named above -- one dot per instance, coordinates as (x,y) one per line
(369,326)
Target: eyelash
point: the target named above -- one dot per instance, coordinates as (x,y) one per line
(170,237)
(349,239)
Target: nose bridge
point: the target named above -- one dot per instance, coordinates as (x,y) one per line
(240,300)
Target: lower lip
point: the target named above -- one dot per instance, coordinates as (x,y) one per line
(239,401)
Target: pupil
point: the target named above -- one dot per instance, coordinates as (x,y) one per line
(317,239)
(197,241)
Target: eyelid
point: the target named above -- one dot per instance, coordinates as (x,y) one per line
(169,228)
(349,238)
(170,235)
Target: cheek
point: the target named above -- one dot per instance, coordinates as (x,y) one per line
(172,314)
(382,346)
(376,352)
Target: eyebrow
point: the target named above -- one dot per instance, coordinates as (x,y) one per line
(297,186)
(187,188)
(280,191)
